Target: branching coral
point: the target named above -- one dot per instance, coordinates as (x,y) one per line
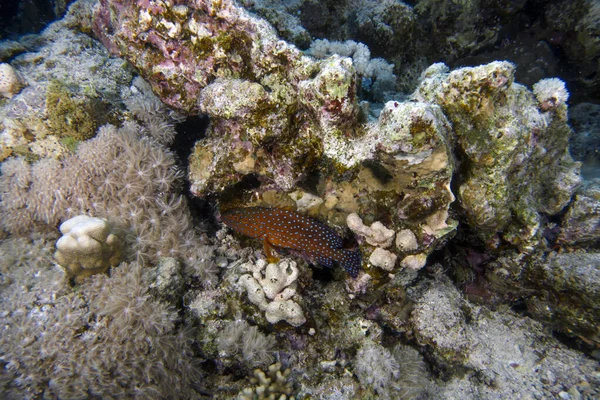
(271,385)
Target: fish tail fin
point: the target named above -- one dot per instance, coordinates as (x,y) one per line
(350,260)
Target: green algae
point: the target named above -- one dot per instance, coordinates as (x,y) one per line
(68,114)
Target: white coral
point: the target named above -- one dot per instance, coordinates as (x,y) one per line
(551,93)
(376,235)
(273,282)
(10,84)
(88,246)
(383,259)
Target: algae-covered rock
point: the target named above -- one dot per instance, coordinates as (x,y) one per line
(284,119)
(580,226)
(68,115)
(73,86)
(239,46)
(569,293)
(512,150)
(502,355)
(585,143)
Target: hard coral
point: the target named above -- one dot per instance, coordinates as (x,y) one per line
(88,246)
(271,385)
(276,282)
(10,83)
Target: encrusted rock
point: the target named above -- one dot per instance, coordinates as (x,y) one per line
(581,224)
(516,164)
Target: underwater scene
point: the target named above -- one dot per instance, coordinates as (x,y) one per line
(300,199)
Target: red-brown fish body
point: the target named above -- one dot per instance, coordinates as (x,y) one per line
(285,229)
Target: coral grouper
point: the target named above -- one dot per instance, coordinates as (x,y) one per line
(283,229)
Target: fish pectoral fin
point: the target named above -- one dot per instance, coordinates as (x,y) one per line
(268,249)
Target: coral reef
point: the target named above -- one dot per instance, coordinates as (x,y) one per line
(188,310)
(285,117)
(108,337)
(515,160)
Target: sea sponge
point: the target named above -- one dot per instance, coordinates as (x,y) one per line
(406,240)
(88,246)
(285,310)
(10,84)
(383,259)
